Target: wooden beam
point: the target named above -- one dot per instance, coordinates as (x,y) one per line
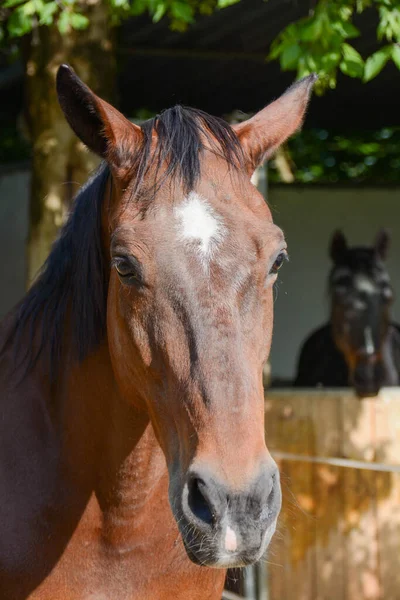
(193,54)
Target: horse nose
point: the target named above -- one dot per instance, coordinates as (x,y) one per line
(239,517)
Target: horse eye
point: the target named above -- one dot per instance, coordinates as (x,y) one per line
(128,272)
(280,259)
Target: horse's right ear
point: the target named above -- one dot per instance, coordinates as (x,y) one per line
(262,135)
(338,247)
(382,243)
(100,126)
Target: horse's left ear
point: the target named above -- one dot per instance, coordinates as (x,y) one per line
(382,243)
(261,135)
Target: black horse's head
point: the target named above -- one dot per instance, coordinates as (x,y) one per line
(361,296)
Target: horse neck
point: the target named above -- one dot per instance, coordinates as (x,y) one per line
(107,444)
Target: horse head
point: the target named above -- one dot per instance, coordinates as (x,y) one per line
(361,299)
(193,256)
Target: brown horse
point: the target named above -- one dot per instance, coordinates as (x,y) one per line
(132,451)
(360,346)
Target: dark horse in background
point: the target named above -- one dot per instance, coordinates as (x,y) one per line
(360,346)
(133,462)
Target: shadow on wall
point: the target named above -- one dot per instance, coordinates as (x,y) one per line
(14,196)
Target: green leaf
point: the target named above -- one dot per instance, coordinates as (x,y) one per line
(352,63)
(330,60)
(344,29)
(64,23)
(345,12)
(182,11)
(351,69)
(311,30)
(350,53)
(302,69)
(396,55)
(78,21)
(367,148)
(12,3)
(19,23)
(276,50)
(349,30)
(290,57)
(311,62)
(138,7)
(389,23)
(375,63)
(47,12)
(119,3)
(32,7)
(225,3)
(160,12)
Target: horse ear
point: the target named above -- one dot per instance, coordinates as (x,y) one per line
(268,129)
(338,247)
(100,126)
(382,243)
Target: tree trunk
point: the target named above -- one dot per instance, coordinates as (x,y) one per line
(60,161)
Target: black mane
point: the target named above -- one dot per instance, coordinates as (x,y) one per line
(181,132)
(72,286)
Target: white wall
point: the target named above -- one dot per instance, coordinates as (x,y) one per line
(308,217)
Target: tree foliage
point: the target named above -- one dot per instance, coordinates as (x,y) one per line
(321,42)
(23,16)
(321,156)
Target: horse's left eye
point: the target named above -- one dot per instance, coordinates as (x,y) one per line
(280,259)
(387,293)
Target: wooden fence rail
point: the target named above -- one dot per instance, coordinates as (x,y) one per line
(339,531)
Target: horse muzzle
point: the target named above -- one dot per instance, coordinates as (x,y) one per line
(225,528)
(368,377)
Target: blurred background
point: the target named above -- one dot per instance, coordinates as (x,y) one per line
(230,58)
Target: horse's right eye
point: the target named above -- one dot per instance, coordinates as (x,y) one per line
(124,270)
(343,281)
(128,270)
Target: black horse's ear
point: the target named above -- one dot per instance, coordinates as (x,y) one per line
(382,244)
(100,126)
(338,247)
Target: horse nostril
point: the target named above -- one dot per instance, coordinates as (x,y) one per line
(272,489)
(270,496)
(198,503)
